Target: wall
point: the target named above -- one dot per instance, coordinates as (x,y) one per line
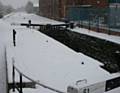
(97,3)
(57,9)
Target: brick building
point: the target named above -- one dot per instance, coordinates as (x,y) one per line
(96,3)
(57,9)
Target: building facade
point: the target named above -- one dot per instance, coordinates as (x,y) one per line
(57,9)
(96,3)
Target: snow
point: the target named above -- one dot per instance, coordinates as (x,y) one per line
(37,90)
(45,60)
(4,35)
(22,17)
(48,61)
(36,5)
(112,38)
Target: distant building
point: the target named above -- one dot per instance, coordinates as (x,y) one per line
(58,8)
(36,8)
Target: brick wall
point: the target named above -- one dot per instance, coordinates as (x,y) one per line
(57,8)
(97,3)
(44,7)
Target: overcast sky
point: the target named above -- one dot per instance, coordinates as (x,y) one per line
(17,3)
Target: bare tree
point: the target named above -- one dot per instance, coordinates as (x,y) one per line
(8,9)
(1,10)
(5,9)
(29,7)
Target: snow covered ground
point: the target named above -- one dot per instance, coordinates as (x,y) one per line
(45,60)
(112,38)
(52,63)
(4,38)
(21,17)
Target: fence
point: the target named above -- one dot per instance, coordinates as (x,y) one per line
(96,18)
(19,86)
(49,26)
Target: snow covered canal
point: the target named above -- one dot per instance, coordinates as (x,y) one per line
(48,62)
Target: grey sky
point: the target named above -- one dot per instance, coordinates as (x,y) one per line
(17,3)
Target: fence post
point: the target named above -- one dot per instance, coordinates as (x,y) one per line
(13,76)
(89,26)
(21,91)
(108,28)
(97,23)
(29,22)
(81,23)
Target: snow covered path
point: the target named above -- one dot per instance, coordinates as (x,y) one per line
(111,38)
(3,83)
(4,39)
(21,17)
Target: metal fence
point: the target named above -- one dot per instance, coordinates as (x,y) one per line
(104,18)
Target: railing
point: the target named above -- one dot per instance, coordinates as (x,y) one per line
(97,27)
(19,86)
(48,26)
